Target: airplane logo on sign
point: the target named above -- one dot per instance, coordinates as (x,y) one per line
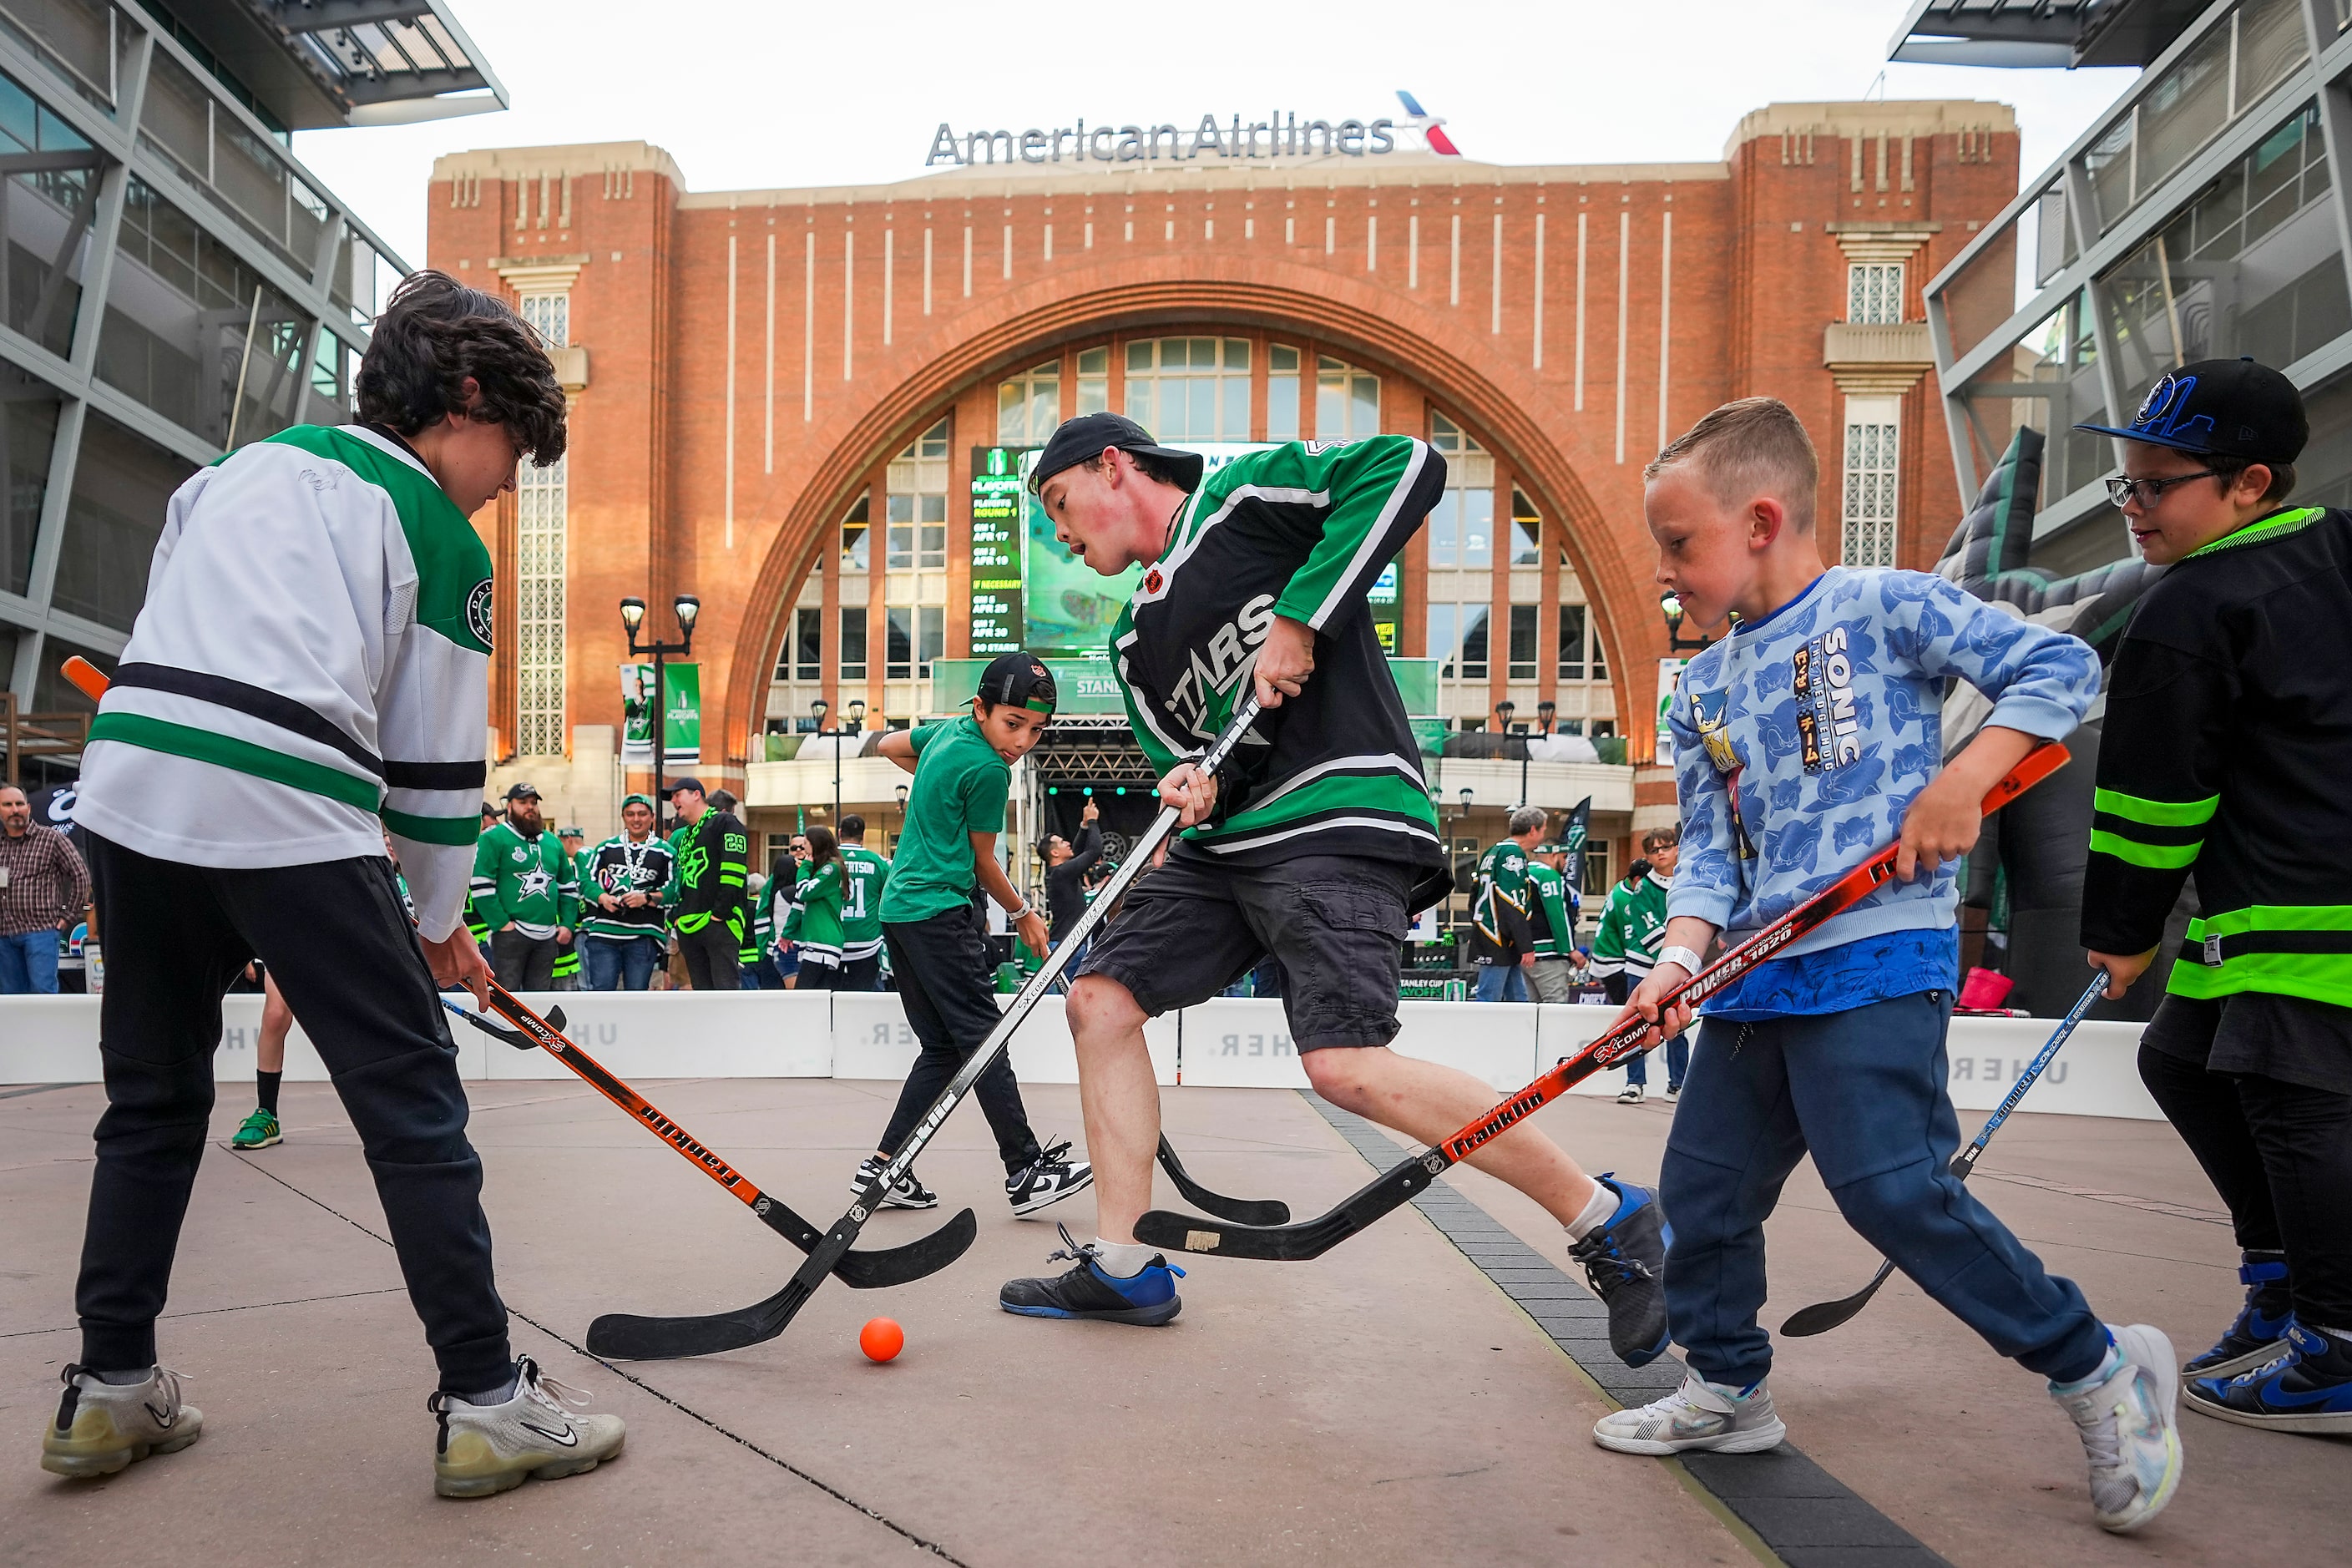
(1427,124)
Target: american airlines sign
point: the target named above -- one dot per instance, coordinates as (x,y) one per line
(1282,135)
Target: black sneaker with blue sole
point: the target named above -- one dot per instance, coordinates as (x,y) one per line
(1625,1263)
(1148,1299)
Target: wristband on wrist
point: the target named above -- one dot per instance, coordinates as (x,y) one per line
(1690,961)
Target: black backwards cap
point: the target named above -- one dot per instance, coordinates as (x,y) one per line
(1082,440)
(2220,408)
(1021,679)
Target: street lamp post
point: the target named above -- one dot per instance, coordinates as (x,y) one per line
(1461,826)
(1503,711)
(820,708)
(685,608)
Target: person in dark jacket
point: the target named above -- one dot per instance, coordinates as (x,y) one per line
(2227,743)
(1066,865)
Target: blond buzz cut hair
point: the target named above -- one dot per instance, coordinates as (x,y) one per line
(1753,447)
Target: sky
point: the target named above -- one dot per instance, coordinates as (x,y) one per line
(750,94)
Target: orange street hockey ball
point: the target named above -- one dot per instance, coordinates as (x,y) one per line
(881,1339)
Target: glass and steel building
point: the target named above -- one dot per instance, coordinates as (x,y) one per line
(176,283)
(2204,215)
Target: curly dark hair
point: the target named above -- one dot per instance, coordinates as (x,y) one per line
(435,332)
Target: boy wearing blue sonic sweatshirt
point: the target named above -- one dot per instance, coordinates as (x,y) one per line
(1805,739)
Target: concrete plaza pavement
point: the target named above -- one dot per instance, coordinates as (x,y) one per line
(1388,1402)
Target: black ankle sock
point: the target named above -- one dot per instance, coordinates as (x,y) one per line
(268,1083)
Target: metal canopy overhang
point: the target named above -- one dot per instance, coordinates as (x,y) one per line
(2039,33)
(322,63)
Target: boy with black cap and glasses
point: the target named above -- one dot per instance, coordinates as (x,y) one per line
(1315,845)
(2227,751)
(947,846)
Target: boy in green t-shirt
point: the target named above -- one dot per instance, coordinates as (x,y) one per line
(955,809)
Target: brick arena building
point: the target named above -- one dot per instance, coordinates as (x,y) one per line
(783,396)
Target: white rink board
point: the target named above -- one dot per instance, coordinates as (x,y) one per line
(1228,1043)
(646,1035)
(873,1039)
(2096,1072)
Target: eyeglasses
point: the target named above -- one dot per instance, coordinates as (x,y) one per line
(2149,492)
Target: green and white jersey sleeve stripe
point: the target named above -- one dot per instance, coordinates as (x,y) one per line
(310,667)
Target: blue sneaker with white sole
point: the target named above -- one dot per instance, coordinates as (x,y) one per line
(1149,1298)
(2307,1388)
(2258,1334)
(1625,1263)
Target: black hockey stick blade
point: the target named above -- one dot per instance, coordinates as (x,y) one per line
(624,1336)
(1822,1316)
(860,1270)
(1244,1211)
(1292,1243)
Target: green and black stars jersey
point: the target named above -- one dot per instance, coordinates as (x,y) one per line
(1301,531)
(713,859)
(619,867)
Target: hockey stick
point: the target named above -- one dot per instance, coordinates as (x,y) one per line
(857,1275)
(859,1270)
(1311,1238)
(632,1338)
(1242,1211)
(1824,1316)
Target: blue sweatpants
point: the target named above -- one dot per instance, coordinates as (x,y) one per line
(1864,1091)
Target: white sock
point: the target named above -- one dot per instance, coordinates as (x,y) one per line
(2108,1365)
(1122,1259)
(124,1379)
(1598,1213)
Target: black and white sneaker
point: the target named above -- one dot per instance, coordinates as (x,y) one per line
(906,1192)
(1148,1298)
(1049,1181)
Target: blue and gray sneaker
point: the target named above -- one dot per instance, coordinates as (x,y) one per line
(2307,1388)
(2258,1333)
(1625,1263)
(1149,1298)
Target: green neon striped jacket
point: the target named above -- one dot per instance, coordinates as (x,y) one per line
(2227,751)
(310,670)
(714,857)
(1303,531)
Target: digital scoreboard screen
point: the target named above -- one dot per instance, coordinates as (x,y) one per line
(997,530)
(1027,590)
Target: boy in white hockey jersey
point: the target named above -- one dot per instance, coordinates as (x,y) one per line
(309,671)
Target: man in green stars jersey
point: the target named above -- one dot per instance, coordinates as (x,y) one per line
(1315,842)
(527,892)
(861,909)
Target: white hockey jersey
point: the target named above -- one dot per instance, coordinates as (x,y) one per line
(311,666)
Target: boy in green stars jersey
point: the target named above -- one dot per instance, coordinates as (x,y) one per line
(955,810)
(861,909)
(1315,843)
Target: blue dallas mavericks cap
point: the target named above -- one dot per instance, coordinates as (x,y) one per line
(2222,408)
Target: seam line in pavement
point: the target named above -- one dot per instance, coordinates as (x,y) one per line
(37,1089)
(782,1463)
(216,1311)
(1803,1515)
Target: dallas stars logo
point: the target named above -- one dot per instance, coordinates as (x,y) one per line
(533,883)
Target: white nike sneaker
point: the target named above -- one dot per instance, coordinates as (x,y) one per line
(1700,1414)
(487,1449)
(2127,1420)
(102,1427)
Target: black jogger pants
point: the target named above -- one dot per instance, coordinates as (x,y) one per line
(337,940)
